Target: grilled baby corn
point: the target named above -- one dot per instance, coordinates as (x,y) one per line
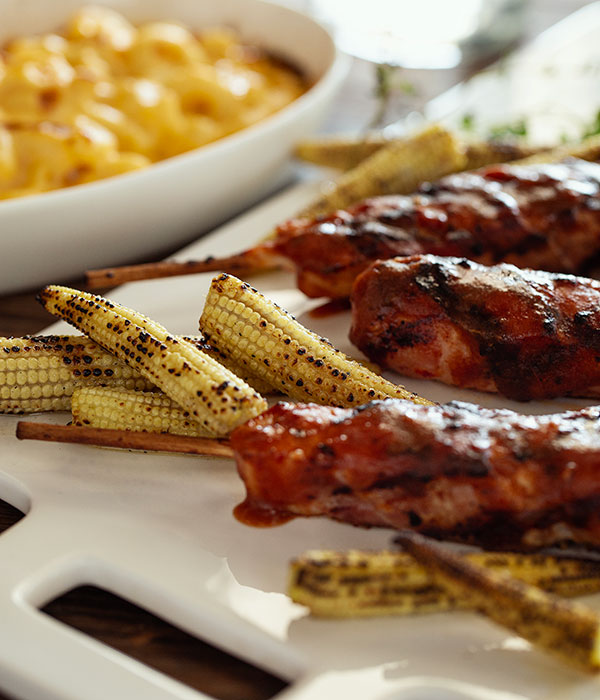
(257,333)
(339,152)
(122,409)
(258,383)
(588,149)
(39,373)
(214,396)
(567,629)
(398,168)
(361,584)
(478,154)
(345,153)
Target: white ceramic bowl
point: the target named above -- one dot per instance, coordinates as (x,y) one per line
(53,236)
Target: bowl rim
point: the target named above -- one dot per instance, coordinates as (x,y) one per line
(334,72)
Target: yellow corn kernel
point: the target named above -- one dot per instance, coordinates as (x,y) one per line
(39,373)
(122,409)
(56,364)
(258,383)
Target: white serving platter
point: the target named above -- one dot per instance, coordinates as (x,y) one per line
(57,235)
(158,530)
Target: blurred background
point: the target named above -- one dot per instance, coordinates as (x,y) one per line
(406,53)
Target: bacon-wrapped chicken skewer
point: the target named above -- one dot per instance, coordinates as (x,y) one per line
(457,471)
(527,334)
(543,216)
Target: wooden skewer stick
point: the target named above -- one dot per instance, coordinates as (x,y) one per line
(125,439)
(567,629)
(245,263)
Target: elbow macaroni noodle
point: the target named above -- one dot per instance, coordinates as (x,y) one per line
(106,97)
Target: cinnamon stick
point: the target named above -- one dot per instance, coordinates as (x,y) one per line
(239,264)
(124,439)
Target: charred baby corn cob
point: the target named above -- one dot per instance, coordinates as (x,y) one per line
(588,149)
(122,409)
(214,396)
(345,153)
(257,333)
(39,373)
(361,584)
(478,154)
(260,384)
(339,152)
(398,168)
(567,629)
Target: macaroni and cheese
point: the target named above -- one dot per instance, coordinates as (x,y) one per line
(106,97)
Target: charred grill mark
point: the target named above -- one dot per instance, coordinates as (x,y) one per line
(550,324)
(586,328)
(414,518)
(529,214)
(407,334)
(498,532)
(481,318)
(533,340)
(342,491)
(434,278)
(518,370)
(505,480)
(529,244)
(453,468)
(402,481)
(382,244)
(438,278)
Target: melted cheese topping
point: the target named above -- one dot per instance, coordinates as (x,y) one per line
(106,97)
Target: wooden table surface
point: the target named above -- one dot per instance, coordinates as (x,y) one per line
(137,632)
